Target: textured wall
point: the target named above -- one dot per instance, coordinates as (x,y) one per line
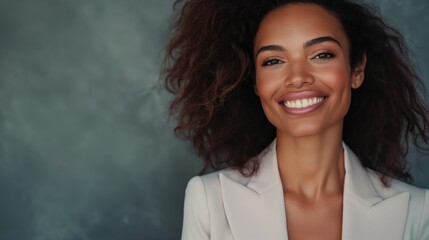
(86,151)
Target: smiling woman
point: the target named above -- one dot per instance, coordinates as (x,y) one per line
(311,61)
(310,105)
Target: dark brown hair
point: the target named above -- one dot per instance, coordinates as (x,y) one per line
(209,68)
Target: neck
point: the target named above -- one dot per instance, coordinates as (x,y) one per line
(311,166)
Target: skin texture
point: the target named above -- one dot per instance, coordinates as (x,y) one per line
(301,51)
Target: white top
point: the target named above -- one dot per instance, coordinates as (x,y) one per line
(225,205)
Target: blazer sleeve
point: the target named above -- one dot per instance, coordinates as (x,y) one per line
(424,223)
(196,214)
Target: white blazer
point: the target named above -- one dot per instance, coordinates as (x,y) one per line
(225,205)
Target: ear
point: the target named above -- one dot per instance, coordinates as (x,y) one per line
(358,73)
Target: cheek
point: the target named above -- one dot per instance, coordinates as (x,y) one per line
(336,77)
(339,81)
(266,85)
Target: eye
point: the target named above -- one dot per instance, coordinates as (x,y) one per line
(324,55)
(272,61)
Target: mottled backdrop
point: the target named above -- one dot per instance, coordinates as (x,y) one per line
(86,151)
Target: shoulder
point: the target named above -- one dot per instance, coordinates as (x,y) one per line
(209,184)
(205,192)
(418,210)
(418,196)
(195,214)
(203,208)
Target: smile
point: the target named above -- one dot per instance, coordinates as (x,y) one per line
(303,103)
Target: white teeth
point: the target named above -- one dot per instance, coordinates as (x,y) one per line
(302,103)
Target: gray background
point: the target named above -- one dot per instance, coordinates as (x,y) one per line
(86,151)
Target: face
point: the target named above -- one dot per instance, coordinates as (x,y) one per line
(303,75)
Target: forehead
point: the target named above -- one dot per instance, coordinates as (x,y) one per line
(306,20)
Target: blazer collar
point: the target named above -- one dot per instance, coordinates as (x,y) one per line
(367,213)
(255,208)
(268,175)
(357,182)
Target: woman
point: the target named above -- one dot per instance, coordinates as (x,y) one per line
(311,105)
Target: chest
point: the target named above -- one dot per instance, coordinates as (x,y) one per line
(306,220)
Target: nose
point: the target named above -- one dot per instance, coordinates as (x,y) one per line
(298,74)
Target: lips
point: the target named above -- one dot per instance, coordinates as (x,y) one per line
(302,102)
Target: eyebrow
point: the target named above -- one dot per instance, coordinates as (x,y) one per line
(270,48)
(307,44)
(318,40)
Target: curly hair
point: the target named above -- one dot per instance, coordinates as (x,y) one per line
(209,69)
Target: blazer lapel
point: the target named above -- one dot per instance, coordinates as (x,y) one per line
(367,214)
(255,210)
(255,207)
